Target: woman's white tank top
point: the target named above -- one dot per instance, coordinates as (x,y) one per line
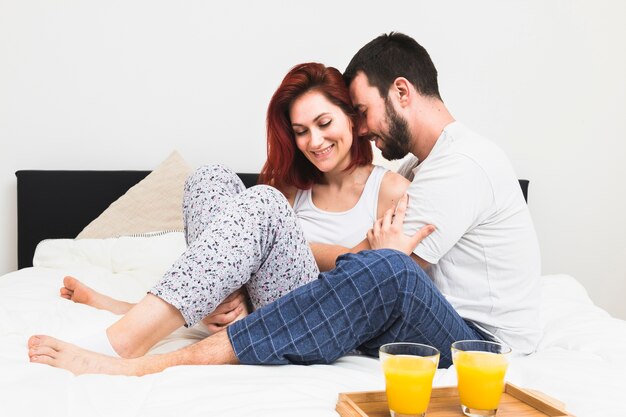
(345,228)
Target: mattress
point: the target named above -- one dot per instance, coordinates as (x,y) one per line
(580,361)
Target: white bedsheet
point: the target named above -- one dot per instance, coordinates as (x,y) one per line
(581,360)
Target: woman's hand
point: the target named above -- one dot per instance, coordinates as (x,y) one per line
(387,232)
(231,309)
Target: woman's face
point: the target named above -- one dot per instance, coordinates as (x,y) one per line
(322,130)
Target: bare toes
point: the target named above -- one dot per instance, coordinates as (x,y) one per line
(66,293)
(34,341)
(42,340)
(70,282)
(42,351)
(44,359)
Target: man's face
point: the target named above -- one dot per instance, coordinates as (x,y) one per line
(379,121)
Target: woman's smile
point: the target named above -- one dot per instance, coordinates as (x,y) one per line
(324,152)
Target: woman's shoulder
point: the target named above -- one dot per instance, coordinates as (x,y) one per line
(392,187)
(390,182)
(394,181)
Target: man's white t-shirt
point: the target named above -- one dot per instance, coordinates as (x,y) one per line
(484,252)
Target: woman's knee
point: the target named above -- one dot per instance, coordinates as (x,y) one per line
(209,172)
(212,176)
(269,196)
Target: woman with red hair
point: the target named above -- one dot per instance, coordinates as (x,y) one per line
(321,195)
(325,170)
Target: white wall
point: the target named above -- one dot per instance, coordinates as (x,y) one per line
(119,84)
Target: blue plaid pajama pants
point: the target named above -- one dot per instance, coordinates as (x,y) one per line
(369,299)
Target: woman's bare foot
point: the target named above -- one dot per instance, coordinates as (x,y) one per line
(78,292)
(59,354)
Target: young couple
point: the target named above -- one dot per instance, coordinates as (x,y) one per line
(474,275)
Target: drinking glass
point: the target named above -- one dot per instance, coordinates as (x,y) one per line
(480,368)
(409,370)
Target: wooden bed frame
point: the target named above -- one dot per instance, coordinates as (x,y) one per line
(59,204)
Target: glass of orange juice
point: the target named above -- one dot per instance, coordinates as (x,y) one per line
(409,370)
(480,368)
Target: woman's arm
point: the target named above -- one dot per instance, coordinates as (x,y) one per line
(388,233)
(326,255)
(392,189)
(392,193)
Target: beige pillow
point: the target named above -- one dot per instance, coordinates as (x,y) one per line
(153,204)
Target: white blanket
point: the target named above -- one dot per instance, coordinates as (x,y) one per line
(581,359)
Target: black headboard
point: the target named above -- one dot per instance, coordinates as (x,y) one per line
(59,204)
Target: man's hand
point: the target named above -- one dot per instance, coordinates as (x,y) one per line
(388,233)
(231,309)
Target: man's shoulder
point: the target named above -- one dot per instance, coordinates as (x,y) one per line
(463,140)
(407,167)
(457,146)
(473,151)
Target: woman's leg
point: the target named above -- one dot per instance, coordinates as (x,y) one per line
(206,190)
(76,291)
(255,239)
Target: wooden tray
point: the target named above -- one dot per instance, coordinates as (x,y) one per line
(444,402)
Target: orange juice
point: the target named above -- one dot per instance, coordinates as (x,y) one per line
(481,378)
(409,381)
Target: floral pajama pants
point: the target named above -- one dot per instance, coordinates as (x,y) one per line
(235,237)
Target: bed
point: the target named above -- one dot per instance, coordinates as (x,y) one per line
(580,361)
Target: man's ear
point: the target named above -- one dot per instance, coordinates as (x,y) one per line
(401,88)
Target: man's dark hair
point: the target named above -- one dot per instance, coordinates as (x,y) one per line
(394,55)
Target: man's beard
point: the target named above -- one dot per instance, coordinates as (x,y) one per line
(396,143)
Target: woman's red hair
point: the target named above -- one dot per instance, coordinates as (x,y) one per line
(286,166)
